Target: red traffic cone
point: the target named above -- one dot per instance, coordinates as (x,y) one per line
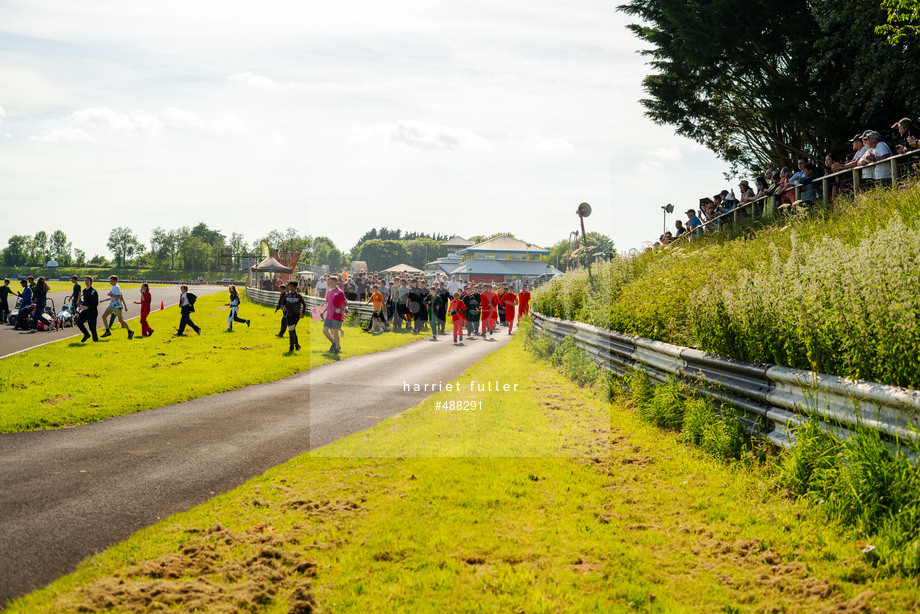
(161,305)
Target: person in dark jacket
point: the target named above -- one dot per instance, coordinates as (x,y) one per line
(89,310)
(284,322)
(445,297)
(5,291)
(40,298)
(294,308)
(75,294)
(25,306)
(187,305)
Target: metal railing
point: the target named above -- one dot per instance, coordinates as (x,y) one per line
(771,400)
(269,298)
(767,204)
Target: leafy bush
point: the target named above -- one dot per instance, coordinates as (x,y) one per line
(666,407)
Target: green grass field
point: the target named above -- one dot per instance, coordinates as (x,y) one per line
(70,383)
(543,501)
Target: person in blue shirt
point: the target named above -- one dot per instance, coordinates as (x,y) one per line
(25,302)
(694,223)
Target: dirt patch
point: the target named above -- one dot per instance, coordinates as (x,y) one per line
(58,398)
(216,570)
(323,507)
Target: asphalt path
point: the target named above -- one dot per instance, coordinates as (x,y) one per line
(16,341)
(65,494)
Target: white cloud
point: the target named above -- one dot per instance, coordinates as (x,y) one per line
(137,121)
(552,147)
(419,136)
(228,123)
(668,154)
(183,120)
(64,135)
(257,81)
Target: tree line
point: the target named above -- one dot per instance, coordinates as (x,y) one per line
(199,248)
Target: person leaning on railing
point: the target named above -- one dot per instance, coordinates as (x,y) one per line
(877,150)
(859,148)
(811,190)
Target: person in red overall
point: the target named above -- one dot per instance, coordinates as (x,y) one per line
(523,303)
(458,318)
(489,309)
(146,331)
(509,300)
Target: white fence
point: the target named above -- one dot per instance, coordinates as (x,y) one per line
(772,400)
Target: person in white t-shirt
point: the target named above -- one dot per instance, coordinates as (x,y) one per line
(878,150)
(116,305)
(321,287)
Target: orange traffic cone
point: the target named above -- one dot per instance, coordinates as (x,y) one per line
(161,305)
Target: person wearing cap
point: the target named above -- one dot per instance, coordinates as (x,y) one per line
(877,151)
(859,150)
(909,133)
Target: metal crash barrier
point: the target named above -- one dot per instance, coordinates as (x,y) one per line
(772,400)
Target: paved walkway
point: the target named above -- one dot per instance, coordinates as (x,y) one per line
(67,493)
(16,341)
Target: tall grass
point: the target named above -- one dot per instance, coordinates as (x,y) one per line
(834,291)
(863,484)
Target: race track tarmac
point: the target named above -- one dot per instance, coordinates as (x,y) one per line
(15,341)
(67,493)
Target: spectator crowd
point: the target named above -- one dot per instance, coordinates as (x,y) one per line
(868,148)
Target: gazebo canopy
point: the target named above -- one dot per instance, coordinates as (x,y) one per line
(270,265)
(401,268)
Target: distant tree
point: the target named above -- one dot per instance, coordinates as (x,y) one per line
(381,254)
(195,254)
(161,247)
(237,245)
(60,247)
(79,257)
(38,248)
(16,252)
(422,250)
(214,238)
(123,245)
(98,260)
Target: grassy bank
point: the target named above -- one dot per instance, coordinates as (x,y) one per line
(605,514)
(858,482)
(70,383)
(834,291)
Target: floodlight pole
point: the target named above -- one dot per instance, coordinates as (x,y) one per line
(584,240)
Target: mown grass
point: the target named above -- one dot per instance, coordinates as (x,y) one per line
(859,482)
(834,291)
(650,525)
(70,383)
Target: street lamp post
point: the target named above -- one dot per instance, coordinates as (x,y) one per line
(666,209)
(583,211)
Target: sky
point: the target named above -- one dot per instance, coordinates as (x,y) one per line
(333,118)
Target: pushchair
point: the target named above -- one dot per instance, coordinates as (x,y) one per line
(63,318)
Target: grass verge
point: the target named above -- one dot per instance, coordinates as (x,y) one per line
(648,525)
(71,383)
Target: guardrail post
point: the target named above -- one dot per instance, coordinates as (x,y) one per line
(798,192)
(856,176)
(826,189)
(894,172)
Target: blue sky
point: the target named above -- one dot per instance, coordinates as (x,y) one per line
(333,118)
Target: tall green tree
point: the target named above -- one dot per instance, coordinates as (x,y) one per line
(422,250)
(38,248)
(763,82)
(17,251)
(381,254)
(60,247)
(124,245)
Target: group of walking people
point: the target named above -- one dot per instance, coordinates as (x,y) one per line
(413,305)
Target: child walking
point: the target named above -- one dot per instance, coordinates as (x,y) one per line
(432,302)
(234,305)
(146,331)
(458,319)
(377,319)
